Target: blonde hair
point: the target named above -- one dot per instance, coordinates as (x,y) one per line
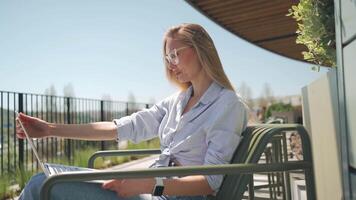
(195,36)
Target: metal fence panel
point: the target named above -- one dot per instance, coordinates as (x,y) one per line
(55,109)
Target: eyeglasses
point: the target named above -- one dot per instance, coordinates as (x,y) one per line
(172,56)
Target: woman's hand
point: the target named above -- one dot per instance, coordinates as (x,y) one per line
(35,127)
(130,187)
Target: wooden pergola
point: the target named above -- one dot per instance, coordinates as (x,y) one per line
(263,22)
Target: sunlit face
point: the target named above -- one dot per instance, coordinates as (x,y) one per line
(186,67)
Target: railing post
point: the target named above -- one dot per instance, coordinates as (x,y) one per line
(2,133)
(127,108)
(102,118)
(21,144)
(69,146)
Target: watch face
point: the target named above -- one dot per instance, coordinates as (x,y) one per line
(158,190)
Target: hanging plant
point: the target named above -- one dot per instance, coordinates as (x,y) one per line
(316,30)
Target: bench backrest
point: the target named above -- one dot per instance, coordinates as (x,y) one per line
(254,141)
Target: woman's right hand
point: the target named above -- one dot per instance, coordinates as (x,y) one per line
(35,127)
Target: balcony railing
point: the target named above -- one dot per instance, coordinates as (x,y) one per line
(15,153)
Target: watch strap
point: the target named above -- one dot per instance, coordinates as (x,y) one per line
(159,187)
(159,181)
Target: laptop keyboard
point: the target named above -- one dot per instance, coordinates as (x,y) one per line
(56,169)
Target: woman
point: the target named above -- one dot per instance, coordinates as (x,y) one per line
(200,125)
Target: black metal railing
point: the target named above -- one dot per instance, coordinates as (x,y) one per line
(15,153)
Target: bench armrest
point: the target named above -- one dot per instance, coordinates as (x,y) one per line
(170,171)
(120,153)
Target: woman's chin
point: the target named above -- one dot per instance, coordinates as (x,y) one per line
(182,80)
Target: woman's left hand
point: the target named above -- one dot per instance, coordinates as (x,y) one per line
(130,187)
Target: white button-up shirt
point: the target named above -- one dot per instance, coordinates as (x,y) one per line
(208,134)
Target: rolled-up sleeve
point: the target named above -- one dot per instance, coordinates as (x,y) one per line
(142,125)
(223,138)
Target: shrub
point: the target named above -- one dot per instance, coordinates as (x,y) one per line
(4,185)
(278,107)
(12,183)
(23,176)
(316,30)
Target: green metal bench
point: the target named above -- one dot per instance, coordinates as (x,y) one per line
(238,174)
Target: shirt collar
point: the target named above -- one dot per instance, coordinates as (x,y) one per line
(209,95)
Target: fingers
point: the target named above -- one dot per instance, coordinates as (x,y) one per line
(113,185)
(19,131)
(109,184)
(21,118)
(120,187)
(21,135)
(25,118)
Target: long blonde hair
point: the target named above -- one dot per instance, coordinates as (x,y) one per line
(196,36)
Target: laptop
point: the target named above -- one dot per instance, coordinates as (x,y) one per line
(49,169)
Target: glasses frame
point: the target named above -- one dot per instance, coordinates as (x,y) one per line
(175,60)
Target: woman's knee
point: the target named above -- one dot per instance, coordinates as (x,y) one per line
(33,186)
(36,181)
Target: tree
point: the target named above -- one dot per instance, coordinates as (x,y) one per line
(132,107)
(51,91)
(106,97)
(267,98)
(245,91)
(108,105)
(50,102)
(68,90)
(152,100)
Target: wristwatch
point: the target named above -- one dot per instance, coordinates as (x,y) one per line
(159,187)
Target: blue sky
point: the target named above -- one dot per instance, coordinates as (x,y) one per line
(115,47)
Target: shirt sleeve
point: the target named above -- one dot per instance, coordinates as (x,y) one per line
(142,125)
(223,138)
